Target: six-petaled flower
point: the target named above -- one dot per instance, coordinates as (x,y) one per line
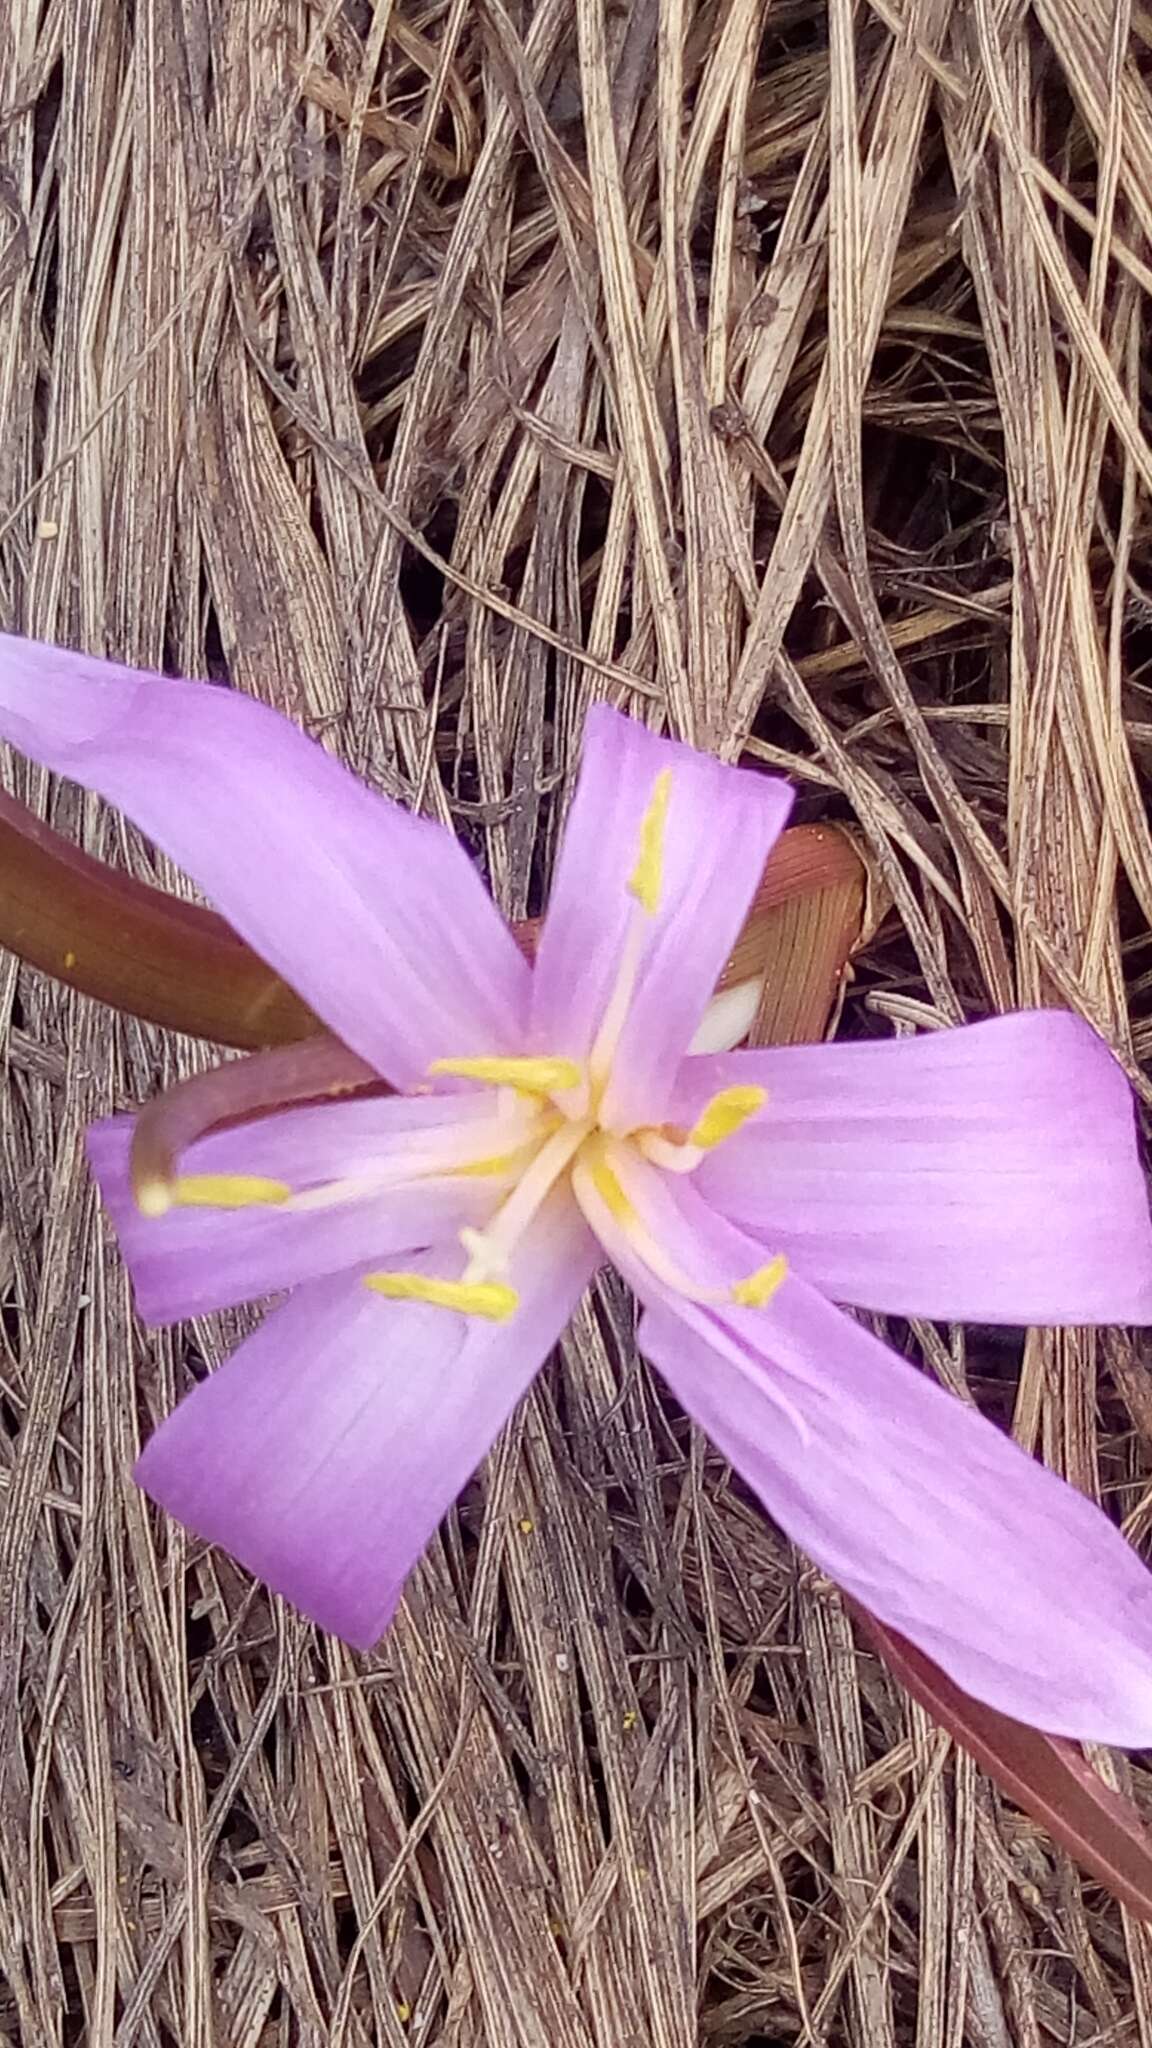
(434,1241)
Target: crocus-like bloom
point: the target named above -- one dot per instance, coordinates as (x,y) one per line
(547,1119)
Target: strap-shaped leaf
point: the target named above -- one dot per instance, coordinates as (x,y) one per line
(1047,1776)
(140,949)
(132,946)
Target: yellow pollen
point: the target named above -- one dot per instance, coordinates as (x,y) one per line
(725,1115)
(211,1191)
(481,1298)
(647,878)
(757,1290)
(528,1076)
(611,1193)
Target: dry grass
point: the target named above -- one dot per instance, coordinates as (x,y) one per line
(431,368)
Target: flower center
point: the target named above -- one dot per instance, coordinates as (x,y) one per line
(568,1142)
(545,1127)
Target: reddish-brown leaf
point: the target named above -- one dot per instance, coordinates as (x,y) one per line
(134,947)
(139,949)
(1045,1775)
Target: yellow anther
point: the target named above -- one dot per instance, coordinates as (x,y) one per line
(725,1115)
(757,1290)
(211,1191)
(528,1076)
(611,1193)
(647,878)
(487,1298)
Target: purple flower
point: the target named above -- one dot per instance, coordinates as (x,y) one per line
(436,1241)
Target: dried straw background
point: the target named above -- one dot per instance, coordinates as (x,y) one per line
(429,368)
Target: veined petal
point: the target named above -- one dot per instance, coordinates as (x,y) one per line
(1010,1580)
(193,1260)
(987,1174)
(718,830)
(376,918)
(324,1454)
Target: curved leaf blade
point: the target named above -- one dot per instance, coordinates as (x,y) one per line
(141,950)
(1047,1776)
